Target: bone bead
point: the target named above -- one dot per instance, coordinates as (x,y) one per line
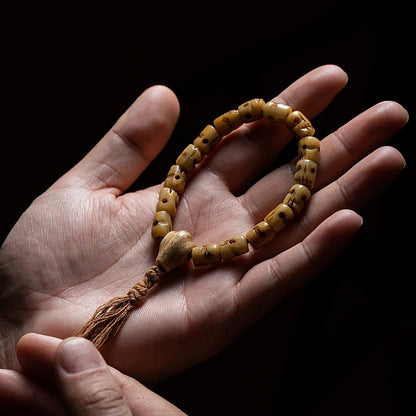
(296,198)
(174,250)
(309,148)
(208,254)
(299,124)
(279,217)
(260,234)
(228,122)
(306,171)
(276,112)
(189,158)
(207,139)
(176,179)
(252,110)
(168,199)
(162,224)
(233,247)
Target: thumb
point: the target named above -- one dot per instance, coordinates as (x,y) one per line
(86,383)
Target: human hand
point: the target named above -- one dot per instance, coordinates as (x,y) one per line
(71,377)
(85,240)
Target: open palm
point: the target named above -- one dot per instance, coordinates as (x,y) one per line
(86,240)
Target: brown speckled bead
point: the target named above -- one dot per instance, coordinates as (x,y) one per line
(276,112)
(228,122)
(176,179)
(233,247)
(168,199)
(209,254)
(306,171)
(190,157)
(279,217)
(296,198)
(207,139)
(252,110)
(299,124)
(260,234)
(162,224)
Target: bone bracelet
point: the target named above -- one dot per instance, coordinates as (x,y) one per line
(177,247)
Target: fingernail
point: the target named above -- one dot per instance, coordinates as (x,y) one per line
(76,355)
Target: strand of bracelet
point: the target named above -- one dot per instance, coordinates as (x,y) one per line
(177,247)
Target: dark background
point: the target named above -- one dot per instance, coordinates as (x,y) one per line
(345,343)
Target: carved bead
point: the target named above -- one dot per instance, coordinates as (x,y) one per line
(260,234)
(279,217)
(276,112)
(189,158)
(168,199)
(299,124)
(162,224)
(297,197)
(306,171)
(176,179)
(228,122)
(208,254)
(174,250)
(252,110)
(233,247)
(308,148)
(207,139)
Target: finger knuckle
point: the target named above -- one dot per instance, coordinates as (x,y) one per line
(103,400)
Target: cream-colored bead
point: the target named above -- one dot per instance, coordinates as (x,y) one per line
(228,122)
(162,224)
(252,110)
(260,234)
(168,199)
(309,148)
(296,198)
(299,124)
(208,254)
(279,217)
(190,157)
(207,139)
(176,179)
(174,250)
(309,142)
(276,112)
(306,171)
(233,247)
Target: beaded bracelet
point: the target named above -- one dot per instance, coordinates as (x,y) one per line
(177,247)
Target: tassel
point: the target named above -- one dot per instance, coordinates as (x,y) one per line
(110,317)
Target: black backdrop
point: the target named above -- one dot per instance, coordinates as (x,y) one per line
(345,343)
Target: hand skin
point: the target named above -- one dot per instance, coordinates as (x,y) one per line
(71,377)
(86,240)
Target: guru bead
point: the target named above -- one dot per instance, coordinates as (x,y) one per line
(176,179)
(252,110)
(260,234)
(162,224)
(299,124)
(228,122)
(233,247)
(168,198)
(207,139)
(306,171)
(279,217)
(189,158)
(209,254)
(296,198)
(276,112)
(174,250)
